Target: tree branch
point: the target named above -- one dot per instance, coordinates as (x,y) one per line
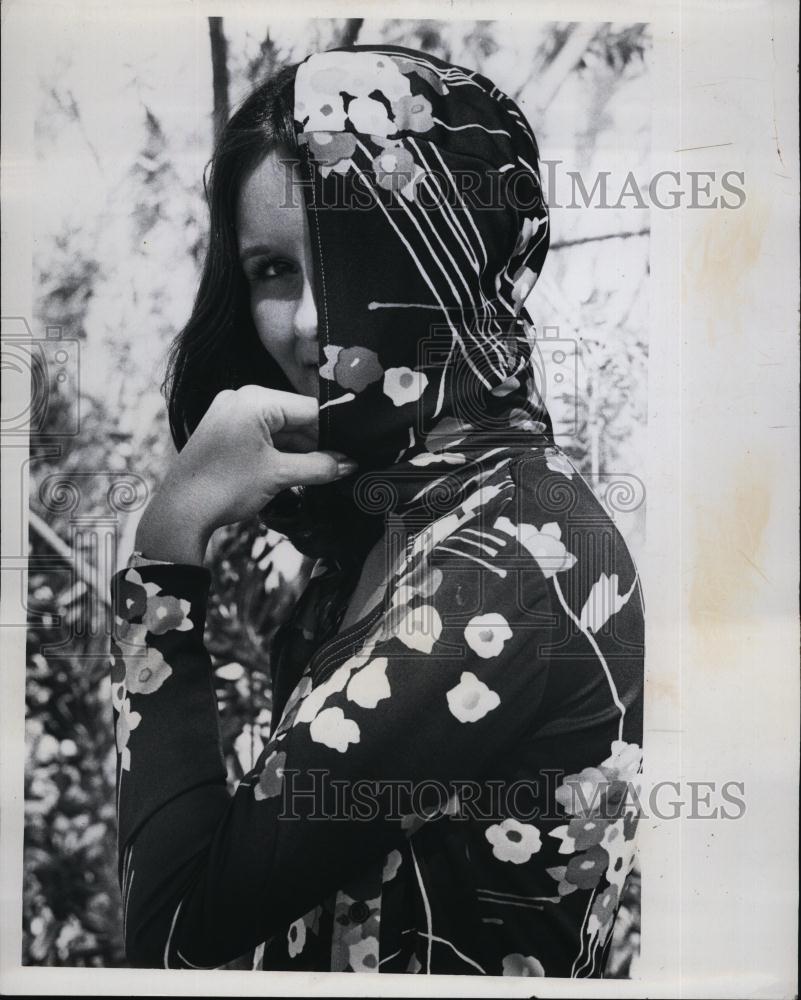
(561,244)
(219,71)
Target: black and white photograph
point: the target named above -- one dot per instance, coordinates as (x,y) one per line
(400,493)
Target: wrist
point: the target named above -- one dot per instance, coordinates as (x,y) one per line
(169,534)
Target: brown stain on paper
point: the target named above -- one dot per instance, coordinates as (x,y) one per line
(726,571)
(719,263)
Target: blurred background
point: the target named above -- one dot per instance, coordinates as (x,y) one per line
(125,124)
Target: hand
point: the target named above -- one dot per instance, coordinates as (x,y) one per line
(232,466)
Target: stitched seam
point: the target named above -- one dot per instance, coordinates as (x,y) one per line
(325,338)
(343,641)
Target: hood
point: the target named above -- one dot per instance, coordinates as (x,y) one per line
(429,229)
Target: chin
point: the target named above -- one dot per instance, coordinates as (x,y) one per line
(309,383)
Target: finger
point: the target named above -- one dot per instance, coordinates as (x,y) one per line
(296,440)
(311,469)
(283,410)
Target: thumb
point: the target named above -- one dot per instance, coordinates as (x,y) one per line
(312,468)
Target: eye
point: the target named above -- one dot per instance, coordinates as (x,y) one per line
(269,269)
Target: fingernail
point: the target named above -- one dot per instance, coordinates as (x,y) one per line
(346,466)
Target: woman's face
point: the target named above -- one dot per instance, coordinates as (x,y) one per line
(275,253)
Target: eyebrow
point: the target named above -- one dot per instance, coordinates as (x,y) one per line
(257,250)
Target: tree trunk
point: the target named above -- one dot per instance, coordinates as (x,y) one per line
(350,32)
(219,70)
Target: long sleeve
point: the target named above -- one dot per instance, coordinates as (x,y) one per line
(207,876)
(440,685)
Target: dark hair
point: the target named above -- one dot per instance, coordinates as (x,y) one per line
(219,347)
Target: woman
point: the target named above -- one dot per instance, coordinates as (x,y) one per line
(457,697)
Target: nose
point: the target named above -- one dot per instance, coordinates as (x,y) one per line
(306,313)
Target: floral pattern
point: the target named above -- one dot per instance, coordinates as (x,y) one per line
(321,83)
(353,368)
(271,780)
(604,804)
(332,729)
(486,634)
(403,385)
(545,545)
(522,965)
(471,699)
(490,658)
(514,841)
(143,610)
(585,855)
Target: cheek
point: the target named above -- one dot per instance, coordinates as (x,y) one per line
(273,320)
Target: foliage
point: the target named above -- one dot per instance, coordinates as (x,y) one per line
(116,269)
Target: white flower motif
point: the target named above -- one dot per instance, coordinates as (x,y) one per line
(318,696)
(391,865)
(324,114)
(166,614)
(363,954)
(420,628)
(544,544)
(331,358)
(557,461)
(370,684)
(333,730)
(471,699)
(603,602)
(582,794)
(514,841)
(321,79)
(487,634)
(403,385)
(370,116)
(624,762)
(126,721)
(522,965)
(296,937)
(622,854)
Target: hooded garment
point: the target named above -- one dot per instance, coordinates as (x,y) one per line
(450,782)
